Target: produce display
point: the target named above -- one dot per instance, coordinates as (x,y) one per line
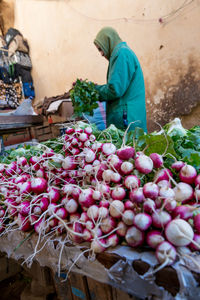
(108,188)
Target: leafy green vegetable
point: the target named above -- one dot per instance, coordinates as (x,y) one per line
(84,97)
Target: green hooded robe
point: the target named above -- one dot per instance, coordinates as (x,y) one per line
(124,92)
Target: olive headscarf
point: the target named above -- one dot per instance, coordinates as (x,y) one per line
(107,39)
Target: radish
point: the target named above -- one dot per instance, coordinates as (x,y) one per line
(84,217)
(40,173)
(144,164)
(97,195)
(154,238)
(166,193)
(177,165)
(93,212)
(164,174)
(114,161)
(134,237)
(128,217)
(150,190)
(170,204)
(61,212)
(118,193)
(108,224)
(116,177)
(22,161)
(108,149)
(131,182)
(183,192)
(97,146)
(87,236)
(126,167)
(38,185)
(149,206)
(179,232)
(71,206)
(116,208)
(83,137)
(164,183)
(89,225)
(23,223)
(136,195)
(112,240)
(197,223)
(183,212)
(25,187)
(197,181)
(98,246)
(160,218)
(187,174)
(128,205)
(196,239)
(122,229)
(85,198)
(25,208)
(53,194)
(103,212)
(77,235)
(142,221)
(37,210)
(126,153)
(69,163)
(89,155)
(104,203)
(165,254)
(107,175)
(69,130)
(157,160)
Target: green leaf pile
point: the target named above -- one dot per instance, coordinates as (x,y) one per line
(84,97)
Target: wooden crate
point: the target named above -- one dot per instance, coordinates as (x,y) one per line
(45,132)
(81,287)
(42,133)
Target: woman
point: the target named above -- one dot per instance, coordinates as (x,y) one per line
(124,91)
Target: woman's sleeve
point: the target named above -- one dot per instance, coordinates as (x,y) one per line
(120,75)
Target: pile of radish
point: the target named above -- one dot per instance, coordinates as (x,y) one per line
(99,194)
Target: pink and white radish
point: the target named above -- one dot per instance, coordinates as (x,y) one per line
(126,153)
(128,217)
(157,160)
(187,174)
(154,238)
(134,237)
(183,192)
(142,221)
(131,182)
(150,190)
(116,209)
(144,164)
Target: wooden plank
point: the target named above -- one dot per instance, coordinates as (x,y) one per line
(98,290)
(20,119)
(121,295)
(79,287)
(62,286)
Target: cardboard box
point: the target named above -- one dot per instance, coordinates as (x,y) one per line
(20,136)
(64,113)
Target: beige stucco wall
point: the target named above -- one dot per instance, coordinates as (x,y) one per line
(61,34)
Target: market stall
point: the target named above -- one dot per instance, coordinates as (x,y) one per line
(68,214)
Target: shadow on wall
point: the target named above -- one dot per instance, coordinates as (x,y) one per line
(7,15)
(178,100)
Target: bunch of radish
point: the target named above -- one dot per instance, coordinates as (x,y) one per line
(93,192)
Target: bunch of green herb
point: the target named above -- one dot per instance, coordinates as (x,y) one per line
(84,97)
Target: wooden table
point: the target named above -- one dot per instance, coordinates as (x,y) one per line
(13,124)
